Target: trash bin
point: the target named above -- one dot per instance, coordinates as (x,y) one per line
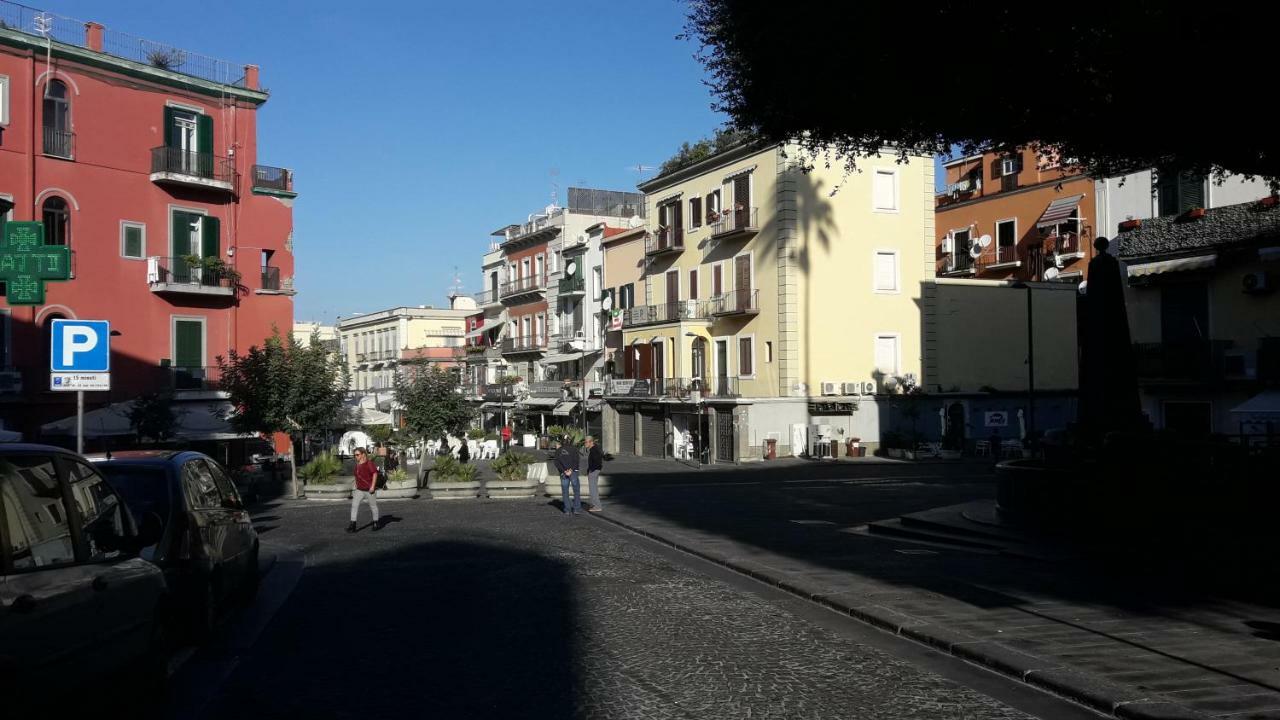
(835,448)
(770,448)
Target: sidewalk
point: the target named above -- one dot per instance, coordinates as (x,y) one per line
(1092,639)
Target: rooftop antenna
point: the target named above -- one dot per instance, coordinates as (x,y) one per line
(641,169)
(555,183)
(456,290)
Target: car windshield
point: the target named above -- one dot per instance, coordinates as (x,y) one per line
(145,489)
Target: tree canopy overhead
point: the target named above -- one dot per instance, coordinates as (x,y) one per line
(1114,86)
(284,386)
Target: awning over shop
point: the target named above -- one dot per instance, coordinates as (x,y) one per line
(1199,262)
(1059,211)
(479,331)
(565,407)
(569,357)
(199,420)
(494,407)
(538,403)
(1264,403)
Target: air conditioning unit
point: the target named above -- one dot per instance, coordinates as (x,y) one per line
(850,388)
(1255,282)
(860,388)
(947,243)
(830,388)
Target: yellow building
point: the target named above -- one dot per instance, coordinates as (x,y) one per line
(374,344)
(777,303)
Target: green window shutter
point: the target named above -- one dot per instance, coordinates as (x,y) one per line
(1190,192)
(170,128)
(210,243)
(132,241)
(188,343)
(204,130)
(1167,193)
(181,234)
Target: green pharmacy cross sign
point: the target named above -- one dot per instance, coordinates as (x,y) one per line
(26,263)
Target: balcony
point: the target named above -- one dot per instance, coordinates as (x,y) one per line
(522,287)
(59,143)
(738,302)
(1000,257)
(1191,361)
(735,224)
(1063,247)
(689,389)
(573,285)
(175,166)
(512,346)
(959,263)
(269,180)
(497,392)
(666,241)
(958,191)
(193,378)
(665,313)
(176,275)
(487,298)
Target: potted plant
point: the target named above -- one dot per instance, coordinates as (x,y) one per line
(518,475)
(321,478)
(449,479)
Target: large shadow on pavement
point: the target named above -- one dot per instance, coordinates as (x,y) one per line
(429,630)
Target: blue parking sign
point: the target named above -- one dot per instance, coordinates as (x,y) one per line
(81,346)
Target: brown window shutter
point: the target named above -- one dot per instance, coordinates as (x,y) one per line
(695,212)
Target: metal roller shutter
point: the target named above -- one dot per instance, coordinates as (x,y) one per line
(626,433)
(653,433)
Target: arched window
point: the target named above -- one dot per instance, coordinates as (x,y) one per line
(57,119)
(57,221)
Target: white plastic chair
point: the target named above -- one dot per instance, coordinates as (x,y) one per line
(490,449)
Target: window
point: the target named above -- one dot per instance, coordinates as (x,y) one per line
(886,271)
(713,206)
(884,191)
(4,99)
(695,213)
(746,356)
(537,267)
(626,296)
(717,280)
(768,352)
(1177,193)
(188,342)
(57,221)
(693,284)
(887,354)
(36,521)
(199,486)
(1007,233)
(597,282)
(133,239)
(101,513)
(57,120)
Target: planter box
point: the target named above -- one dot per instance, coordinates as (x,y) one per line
(403,489)
(501,489)
(453,490)
(329,491)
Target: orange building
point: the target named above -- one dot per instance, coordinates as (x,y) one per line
(1012,215)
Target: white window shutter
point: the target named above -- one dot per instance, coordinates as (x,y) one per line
(886,271)
(884,190)
(887,354)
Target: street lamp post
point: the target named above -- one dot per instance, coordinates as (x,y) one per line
(1031,367)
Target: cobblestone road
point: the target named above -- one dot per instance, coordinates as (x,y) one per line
(508,609)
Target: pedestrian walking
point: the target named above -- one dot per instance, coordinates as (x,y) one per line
(506,436)
(567,462)
(595,463)
(366,489)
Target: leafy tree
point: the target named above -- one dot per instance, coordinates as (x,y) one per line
(152,416)
(687,155)
(433,401)
(379,433)
(284,386)
(1114,87)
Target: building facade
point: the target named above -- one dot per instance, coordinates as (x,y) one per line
(376,345)
(149,174)
(1204,313)
(1014,215)
(772,311)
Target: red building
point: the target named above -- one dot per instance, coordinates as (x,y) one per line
(142,159)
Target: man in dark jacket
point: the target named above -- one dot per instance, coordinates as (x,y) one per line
(567,462)
(595,463)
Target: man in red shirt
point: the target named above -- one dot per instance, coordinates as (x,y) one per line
(366,489)
(506,436)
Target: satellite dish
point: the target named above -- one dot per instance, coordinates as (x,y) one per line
(606,303)
(975,251)
(1051,274)
(571,268)
(635,222)
(985,241)
(582,237)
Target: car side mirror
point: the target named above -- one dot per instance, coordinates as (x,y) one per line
(150,530)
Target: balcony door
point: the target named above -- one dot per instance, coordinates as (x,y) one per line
(742,201)
(188,343)
(698,367)
(722,361)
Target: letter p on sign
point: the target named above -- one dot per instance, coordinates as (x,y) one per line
(81,346)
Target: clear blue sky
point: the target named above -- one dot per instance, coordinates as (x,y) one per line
(416,128)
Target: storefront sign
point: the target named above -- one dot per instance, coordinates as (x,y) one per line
(996,419)
(832,408)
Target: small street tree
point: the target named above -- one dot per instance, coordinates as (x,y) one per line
(284,386)
(152,417)
(432,401)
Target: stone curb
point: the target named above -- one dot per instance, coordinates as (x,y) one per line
(1047,675)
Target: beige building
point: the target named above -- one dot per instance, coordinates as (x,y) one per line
(770,308)
(375,344)
(304,331)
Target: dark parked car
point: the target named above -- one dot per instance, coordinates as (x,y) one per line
(79,607)
(208,549)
